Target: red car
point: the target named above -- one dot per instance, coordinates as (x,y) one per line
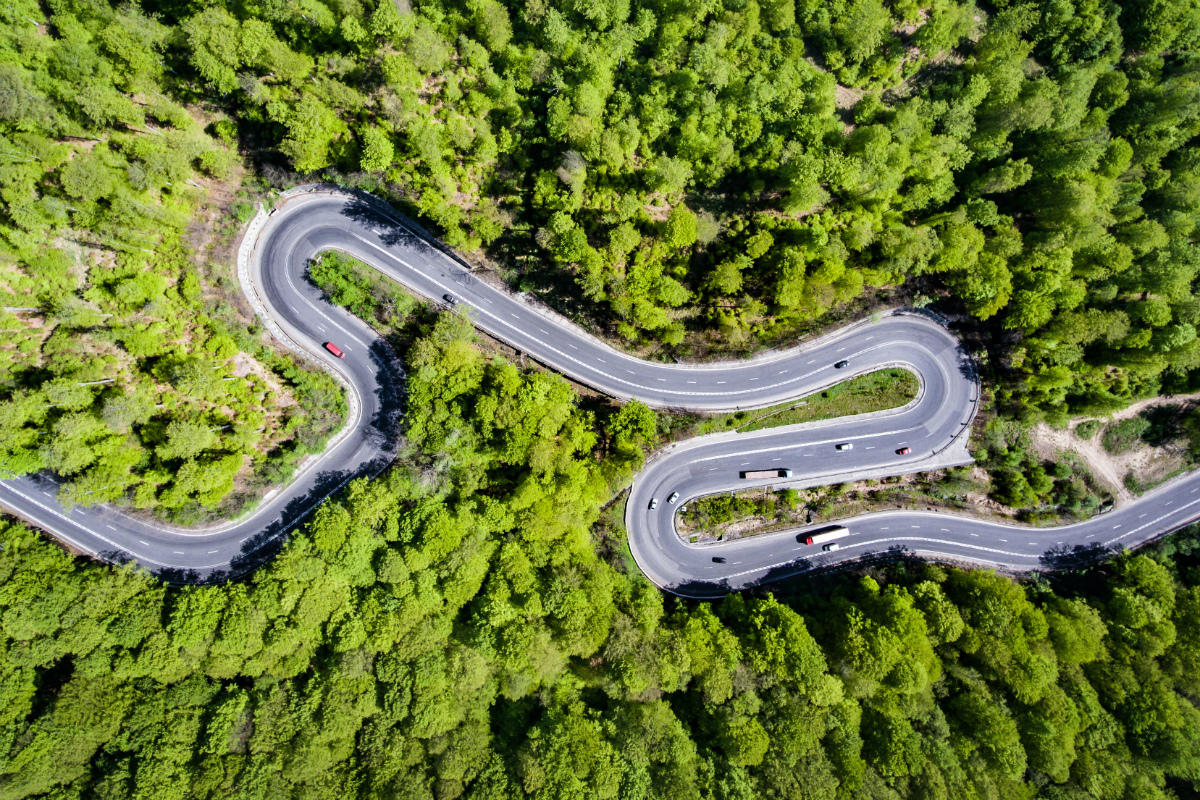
(903,451)
(333,348)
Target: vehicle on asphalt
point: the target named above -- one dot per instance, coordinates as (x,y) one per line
(718,559)
(755,474)
(653,503)
(845,446)
(841,364)
(903,451)
(832,547)
(451,299)
(827,535)
(333,348)
(674,496)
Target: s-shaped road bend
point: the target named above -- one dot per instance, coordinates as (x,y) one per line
(933,427)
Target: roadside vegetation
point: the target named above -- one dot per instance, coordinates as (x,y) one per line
(877,391)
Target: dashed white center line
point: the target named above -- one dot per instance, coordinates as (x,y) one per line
(976,535)
(720,382)
(691,381)
(47,494)
(110,527)
(840,349)
(1142,516)
(870,448)
(177,552)
(777,459)
(1115,527)
(1004,540)
(945,530)
(601,360)
(143,542)
(573,347)
(782,371)
(884,529)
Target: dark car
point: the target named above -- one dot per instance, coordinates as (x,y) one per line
(903,451)
(333,348)
(840,364)
(451,299)
(718,559)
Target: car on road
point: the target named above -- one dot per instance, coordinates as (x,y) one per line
(903,451)
(845,446)
(333,348)
(840,364)
(674,496)
(451,299)
(653,503)
(718,559)
(832,547)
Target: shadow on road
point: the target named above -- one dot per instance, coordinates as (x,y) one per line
(1066,558)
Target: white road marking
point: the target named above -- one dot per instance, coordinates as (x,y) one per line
(111,528)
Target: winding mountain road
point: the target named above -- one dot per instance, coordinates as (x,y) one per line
(933,426)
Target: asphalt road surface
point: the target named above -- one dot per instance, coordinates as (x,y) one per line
(933,427)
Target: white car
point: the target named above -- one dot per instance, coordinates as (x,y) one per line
(845,446)
(831,547)
(674,496)
(653,503)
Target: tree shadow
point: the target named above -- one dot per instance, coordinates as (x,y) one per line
(1071,558)
(778,575)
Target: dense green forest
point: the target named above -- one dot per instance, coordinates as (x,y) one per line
(689,176)
(125,367)
(450,631)
(706,173)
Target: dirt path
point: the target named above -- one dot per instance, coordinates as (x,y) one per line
(1104,465)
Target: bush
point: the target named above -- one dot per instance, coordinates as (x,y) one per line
(1123,436)
(1088,428)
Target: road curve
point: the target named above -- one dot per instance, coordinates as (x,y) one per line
(933,426)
